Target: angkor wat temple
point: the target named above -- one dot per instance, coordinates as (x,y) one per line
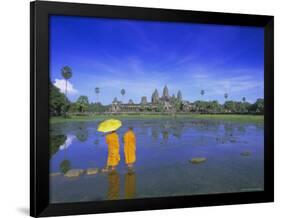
(165,103)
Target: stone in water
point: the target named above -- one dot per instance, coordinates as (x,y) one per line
(74,173)
(55,174)
(198,160)
(104,170)
(92,171)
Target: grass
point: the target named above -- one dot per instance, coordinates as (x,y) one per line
(225,117)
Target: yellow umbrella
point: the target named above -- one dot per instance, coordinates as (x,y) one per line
(109,125)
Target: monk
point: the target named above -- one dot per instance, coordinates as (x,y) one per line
(113,158)
(130,147)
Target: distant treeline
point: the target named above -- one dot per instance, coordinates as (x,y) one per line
(60,104)
(229,107)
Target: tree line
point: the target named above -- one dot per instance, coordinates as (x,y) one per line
(59,103)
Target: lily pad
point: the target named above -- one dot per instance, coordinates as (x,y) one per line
(197,160)
(245,153)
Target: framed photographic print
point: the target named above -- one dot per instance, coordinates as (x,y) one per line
(144,108)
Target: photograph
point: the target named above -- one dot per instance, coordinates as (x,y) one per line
(144,109)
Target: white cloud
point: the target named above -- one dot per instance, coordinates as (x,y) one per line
(235,84)
(60,83)
(67,142)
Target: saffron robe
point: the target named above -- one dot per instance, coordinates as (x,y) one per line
(130,147)
(112,140)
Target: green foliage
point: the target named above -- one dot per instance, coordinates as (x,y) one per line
(123,91)
(258,106)
(160,108)
(177,104)
(82,135)
(65,166)
(98,108)
(230,106)
(55,142)
(82,103)
(227,107)
(225,95)
(66,72)
(201,105)
(142,108)
(73,108)
(58,102)
(248,118)
(202,92)
(97,90)
(214,107)
(237,106)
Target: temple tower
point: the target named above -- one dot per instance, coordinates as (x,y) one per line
(143,100)
(179,96)
(155,97)
(165,95)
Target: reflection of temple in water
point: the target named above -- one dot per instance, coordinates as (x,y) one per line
(82,134)
(174,128)
(165,134)
(155,133)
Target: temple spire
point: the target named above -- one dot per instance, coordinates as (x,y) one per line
(165,92)
(155,97)
(179,95)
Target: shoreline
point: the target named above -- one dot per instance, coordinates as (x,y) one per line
(242,118)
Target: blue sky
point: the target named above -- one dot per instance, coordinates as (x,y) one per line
(140,56)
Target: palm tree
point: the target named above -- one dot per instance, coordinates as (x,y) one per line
(225,96)
(97,91)
(244,106)
(123,93)
(202,92)
(66,73)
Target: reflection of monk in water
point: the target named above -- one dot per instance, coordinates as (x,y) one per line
(130,184)
(112,140)
(130,147)
(113,185)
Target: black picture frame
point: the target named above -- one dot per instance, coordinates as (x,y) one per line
(39,123)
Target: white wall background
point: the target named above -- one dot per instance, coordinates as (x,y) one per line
(14,109)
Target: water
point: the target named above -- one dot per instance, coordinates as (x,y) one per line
(164,148)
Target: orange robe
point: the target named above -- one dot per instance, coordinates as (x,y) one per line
(130,147)
(112,140)
(113,185)
(130,185)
